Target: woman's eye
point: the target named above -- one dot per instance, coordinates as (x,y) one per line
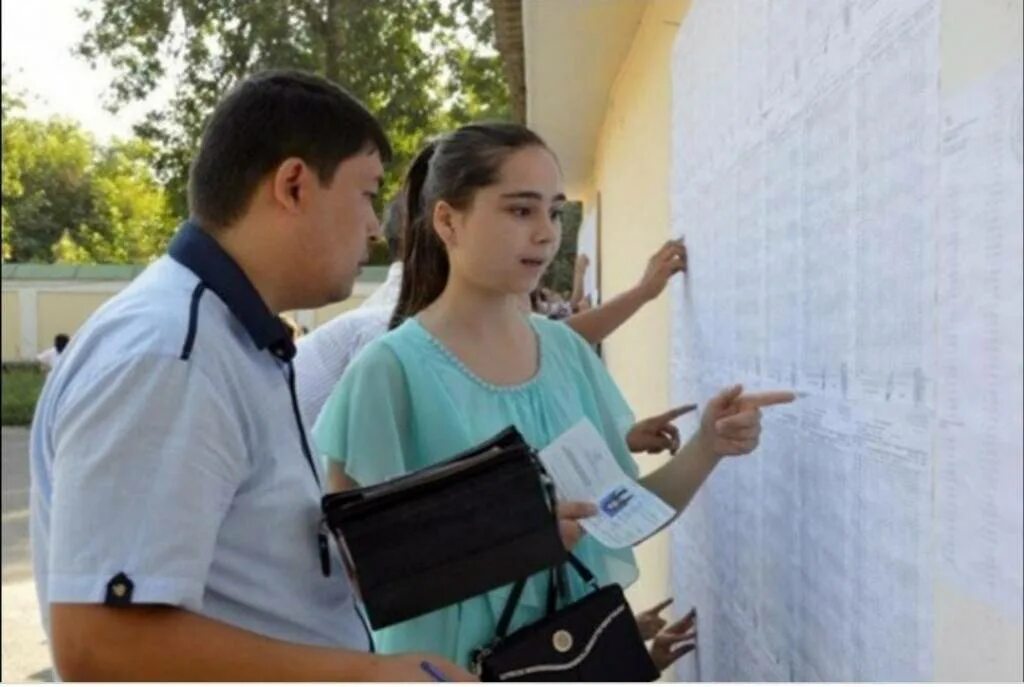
(556,215)
(520,212)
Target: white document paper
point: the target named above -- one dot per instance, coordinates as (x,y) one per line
(584,469)
(979,450)
(806,178)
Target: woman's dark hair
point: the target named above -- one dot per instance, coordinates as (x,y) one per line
(393,225)
(263,121)
(451,168)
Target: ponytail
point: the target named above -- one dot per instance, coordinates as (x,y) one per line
(424,258)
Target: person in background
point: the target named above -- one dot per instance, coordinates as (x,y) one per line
(48,358)
(597,323)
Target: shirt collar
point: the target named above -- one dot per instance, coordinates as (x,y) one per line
(199,252)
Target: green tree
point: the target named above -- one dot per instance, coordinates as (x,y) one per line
(408,60)
(66,198)
(13,102)
(560,273)
(132,219)
(46,184)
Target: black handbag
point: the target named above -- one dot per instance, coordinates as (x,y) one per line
(440,535)
(594,639)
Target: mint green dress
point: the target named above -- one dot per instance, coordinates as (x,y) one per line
(407,402)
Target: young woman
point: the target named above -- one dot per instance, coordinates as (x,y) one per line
(464,361)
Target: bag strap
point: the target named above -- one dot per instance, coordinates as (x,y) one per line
(557,585)
(557,589)
(510,608)
(583,571)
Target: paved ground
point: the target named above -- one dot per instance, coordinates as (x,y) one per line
(25,654)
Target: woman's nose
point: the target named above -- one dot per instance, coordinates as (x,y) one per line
(548,230)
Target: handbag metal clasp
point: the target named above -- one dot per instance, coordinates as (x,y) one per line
(562,641)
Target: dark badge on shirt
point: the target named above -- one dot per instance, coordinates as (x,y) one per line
(119,590)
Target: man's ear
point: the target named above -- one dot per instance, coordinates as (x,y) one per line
(446,220)
(290,183)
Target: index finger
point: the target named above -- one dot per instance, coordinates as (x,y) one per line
(660,607)
(681,625)
(672,414)
(768,398)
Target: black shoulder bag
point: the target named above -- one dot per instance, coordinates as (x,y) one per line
(595,639)
(449,532)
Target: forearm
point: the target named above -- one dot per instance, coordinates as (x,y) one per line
(596,324)
(164,644)
(577,289)
(679,479)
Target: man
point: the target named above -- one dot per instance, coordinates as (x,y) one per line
(175,499)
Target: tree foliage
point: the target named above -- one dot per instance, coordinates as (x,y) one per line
(419,65)
(66,198)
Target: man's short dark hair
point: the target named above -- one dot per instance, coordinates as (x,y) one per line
(266,119)
(60,342)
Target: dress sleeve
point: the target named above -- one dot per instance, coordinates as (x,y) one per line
(364,425)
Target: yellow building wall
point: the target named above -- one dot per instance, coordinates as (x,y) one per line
(60,310)
(63,312)
(10,314)
(632,177)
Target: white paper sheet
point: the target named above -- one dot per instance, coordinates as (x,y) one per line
(978,449)
(820,261)
(584,469)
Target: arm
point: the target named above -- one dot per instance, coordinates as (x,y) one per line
(582,261)
(596,324)
(679,479)
(730,426)
(92,642)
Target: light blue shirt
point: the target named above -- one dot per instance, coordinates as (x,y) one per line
(168,465)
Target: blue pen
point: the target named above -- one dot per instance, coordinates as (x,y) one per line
(433,671)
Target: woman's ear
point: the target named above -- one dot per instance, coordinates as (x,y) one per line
(445,223)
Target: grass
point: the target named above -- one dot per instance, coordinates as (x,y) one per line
(21,387)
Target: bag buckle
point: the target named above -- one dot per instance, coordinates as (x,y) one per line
(477,658)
